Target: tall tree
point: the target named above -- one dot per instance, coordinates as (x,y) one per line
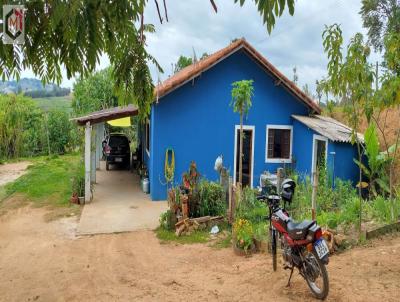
(242,93)
(379,18)
(95,92)
(350,77)
(182,63)
(387,98)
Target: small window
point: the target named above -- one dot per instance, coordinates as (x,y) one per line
(279,144)
(148,136)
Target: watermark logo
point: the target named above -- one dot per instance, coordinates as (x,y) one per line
(13,24)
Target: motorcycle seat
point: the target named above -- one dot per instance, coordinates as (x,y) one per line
(298,230)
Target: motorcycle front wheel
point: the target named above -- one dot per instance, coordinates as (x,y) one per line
(316,275)
(273,248)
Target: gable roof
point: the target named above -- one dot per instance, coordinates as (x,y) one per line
(194,70)
(328,127)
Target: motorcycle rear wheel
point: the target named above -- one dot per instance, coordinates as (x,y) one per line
(316,269)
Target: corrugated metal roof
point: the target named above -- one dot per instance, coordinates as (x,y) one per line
(328,127)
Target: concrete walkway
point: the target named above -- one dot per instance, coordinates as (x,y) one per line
(119,205)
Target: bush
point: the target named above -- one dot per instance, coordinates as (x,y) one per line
(166,220)
(212,199)
(59,129)
(250,208)
(381,209)
(244,233)
(21,127)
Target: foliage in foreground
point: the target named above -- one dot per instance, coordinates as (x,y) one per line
(339,206)
(250,220)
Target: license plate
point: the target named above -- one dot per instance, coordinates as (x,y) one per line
(321,248)
(118,160)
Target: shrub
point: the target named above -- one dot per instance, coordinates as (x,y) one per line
(244,233)
(166,220)
(21,127)
(381,209)
(211,199)
(251,209)
(59,129)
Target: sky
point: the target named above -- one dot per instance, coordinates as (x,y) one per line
(295,41)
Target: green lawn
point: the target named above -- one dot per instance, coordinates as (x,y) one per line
(47,182)
(62,102)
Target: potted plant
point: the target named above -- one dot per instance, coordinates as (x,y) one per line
(78,186)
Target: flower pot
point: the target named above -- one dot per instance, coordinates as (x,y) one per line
(74,198)
(81,200)
(241,252)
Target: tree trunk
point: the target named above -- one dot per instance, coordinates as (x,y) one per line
(359,183)
(241,150)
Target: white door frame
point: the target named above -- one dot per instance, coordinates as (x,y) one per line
(253,129)
(314,152)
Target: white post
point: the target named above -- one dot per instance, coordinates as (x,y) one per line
(88,130)
(99,140)
(93,156)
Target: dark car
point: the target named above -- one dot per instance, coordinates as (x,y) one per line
(116,150)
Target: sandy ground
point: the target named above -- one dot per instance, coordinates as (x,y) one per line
(10,172)
(119,205)
(42,261)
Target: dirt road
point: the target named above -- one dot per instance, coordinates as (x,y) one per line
(45,262)
(11,171)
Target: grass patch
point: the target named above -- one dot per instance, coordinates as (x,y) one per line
(169,236)
(47,181)
(3,193)
(224,242)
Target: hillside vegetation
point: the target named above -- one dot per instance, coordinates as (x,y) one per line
(51,103)
(388,121)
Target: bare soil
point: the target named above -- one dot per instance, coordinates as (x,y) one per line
(45,261)
(11,171)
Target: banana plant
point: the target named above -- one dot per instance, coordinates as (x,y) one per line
(377,162)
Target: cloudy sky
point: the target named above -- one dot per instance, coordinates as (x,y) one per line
(295,40)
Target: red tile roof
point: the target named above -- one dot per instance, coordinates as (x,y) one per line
(194,70)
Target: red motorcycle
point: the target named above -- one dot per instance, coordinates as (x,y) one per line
(302,243)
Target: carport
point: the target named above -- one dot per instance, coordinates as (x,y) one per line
(94,135)
(117,203)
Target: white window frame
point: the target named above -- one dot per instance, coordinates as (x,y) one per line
(314,149)
(253,129)
(279,160)
(147,137)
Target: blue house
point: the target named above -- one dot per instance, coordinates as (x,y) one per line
(192,115)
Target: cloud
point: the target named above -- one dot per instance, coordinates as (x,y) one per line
(295,40)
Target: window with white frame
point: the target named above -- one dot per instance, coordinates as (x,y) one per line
(278,144)
(147,134)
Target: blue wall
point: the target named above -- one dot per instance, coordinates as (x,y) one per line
(198,123)
(340,164)
(345,167)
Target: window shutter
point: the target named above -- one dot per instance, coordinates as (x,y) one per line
(271,136)
(285,144)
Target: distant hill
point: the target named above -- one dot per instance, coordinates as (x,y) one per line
(33,88)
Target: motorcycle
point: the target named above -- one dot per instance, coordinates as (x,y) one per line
(302,244)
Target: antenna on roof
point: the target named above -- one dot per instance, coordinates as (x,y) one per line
(159,84)
(194,56)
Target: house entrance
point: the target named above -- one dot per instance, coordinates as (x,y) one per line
(320,149)
(248,154)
